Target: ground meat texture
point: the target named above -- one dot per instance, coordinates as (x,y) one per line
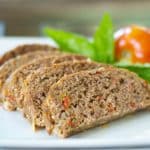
(22,49)
(12,92)
(11,65)
(94,98)
(38,84)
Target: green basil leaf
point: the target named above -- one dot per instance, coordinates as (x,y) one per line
(104,40)
(70,42)
(142,70)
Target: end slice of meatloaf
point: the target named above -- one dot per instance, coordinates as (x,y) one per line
(12,92)
(11,65)
(38,84)
(22,49)
(90,98)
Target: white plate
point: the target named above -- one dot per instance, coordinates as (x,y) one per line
(15,131)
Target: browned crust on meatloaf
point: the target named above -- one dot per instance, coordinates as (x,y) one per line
(94,98)
(22,49)
(38,84)
(13,91)
(11,65)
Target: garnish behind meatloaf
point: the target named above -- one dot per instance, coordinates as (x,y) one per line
(38,84)
(90,98)
(13,92)
(11,65)
(22,49)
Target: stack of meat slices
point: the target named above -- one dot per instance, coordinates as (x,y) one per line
(67,93)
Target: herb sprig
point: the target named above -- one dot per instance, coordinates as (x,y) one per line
(100,48)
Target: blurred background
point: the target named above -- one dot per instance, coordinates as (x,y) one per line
(28,17)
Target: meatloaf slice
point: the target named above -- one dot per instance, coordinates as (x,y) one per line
(12,90)
(11,65)
(22,49)
(38,84)
(90,98)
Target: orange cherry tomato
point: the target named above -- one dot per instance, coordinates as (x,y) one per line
(133,43)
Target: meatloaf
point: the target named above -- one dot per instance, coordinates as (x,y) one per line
(11,65)
(22,49)
(38,84)
(12,92)
(90,98)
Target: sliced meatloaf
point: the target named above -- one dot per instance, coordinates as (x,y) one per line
(22,49)
(12,90)
(38,84)
(90,98)
(11,65)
